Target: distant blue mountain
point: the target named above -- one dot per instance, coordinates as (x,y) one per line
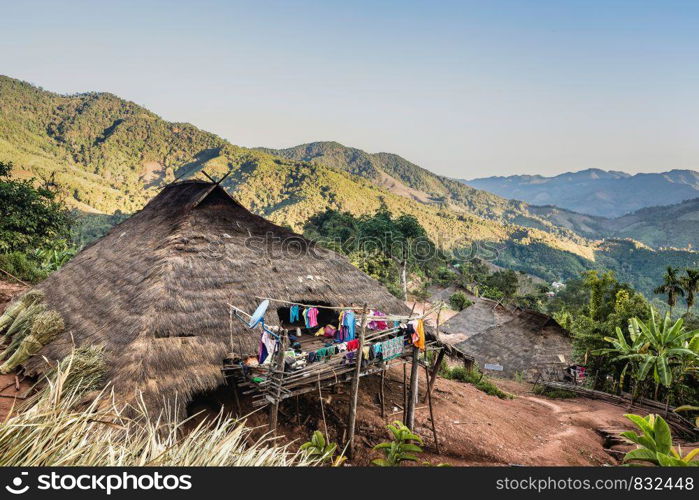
(596,192)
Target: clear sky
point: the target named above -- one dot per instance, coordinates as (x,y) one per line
(466,89)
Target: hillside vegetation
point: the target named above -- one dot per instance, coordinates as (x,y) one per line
(107,155)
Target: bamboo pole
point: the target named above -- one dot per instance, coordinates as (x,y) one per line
(432,376)
(412,398)
(429,399)
(405,394)
(383,394)
(279,364)
(438,362)
(355,387)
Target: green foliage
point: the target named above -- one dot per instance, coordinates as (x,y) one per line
(690,286)
(671,286)
(420,294)
(458,301)
(660,349)
(385,247)
(52,258)
(505,282)
(321,451)
(655,444)
(30,217)
(22,266)
(599,304)
(474,377)
(548,392)
(401,448)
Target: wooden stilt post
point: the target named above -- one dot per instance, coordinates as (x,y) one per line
(435,370)
(405,380)
(237,400)
(438,362)
(428,395)
(277,376)
(405,394)
(355,387)
(412,397)
(383,393)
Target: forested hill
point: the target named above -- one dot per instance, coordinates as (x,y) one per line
(403,177)
(106,154)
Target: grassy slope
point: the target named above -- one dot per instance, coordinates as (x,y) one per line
(108,154)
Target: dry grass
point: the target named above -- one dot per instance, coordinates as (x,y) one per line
(62,429)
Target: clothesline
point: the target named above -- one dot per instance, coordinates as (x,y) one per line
(389,317)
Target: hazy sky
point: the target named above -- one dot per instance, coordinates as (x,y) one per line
(466,89)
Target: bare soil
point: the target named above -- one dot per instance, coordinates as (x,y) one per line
(472,427)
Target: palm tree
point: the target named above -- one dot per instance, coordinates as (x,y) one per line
(690,283)
(671,286)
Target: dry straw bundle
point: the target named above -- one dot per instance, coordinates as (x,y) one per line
(45,326)
(14,310)
(27,327)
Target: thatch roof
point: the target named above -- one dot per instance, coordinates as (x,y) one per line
(154,290)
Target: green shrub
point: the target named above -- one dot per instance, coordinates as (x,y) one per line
(458,301)
(476,378)
(400,449)
(541,390)
(420,294)
(321,450)
(22,266)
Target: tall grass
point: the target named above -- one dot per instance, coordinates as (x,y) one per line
(61,428)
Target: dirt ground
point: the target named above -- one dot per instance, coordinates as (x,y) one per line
(472,427)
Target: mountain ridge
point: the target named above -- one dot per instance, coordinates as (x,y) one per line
(106,154)
(595,191)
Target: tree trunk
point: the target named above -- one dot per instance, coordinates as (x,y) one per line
(404,279)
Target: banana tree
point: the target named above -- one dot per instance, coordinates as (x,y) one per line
(632,352)
(668,345)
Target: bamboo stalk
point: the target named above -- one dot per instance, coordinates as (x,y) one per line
(355,387)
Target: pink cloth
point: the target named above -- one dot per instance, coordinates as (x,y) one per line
(312,317)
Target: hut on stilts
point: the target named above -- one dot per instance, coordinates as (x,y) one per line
(161,291)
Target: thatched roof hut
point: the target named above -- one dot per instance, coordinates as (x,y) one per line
(155,291)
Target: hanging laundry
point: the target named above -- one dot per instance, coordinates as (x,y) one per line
(352,345)
(294,314)
(418,335)
(312,317)
(267,346)
(381,323)
(393,348)
(348,321)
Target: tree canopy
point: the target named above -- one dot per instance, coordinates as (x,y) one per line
(30,217)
